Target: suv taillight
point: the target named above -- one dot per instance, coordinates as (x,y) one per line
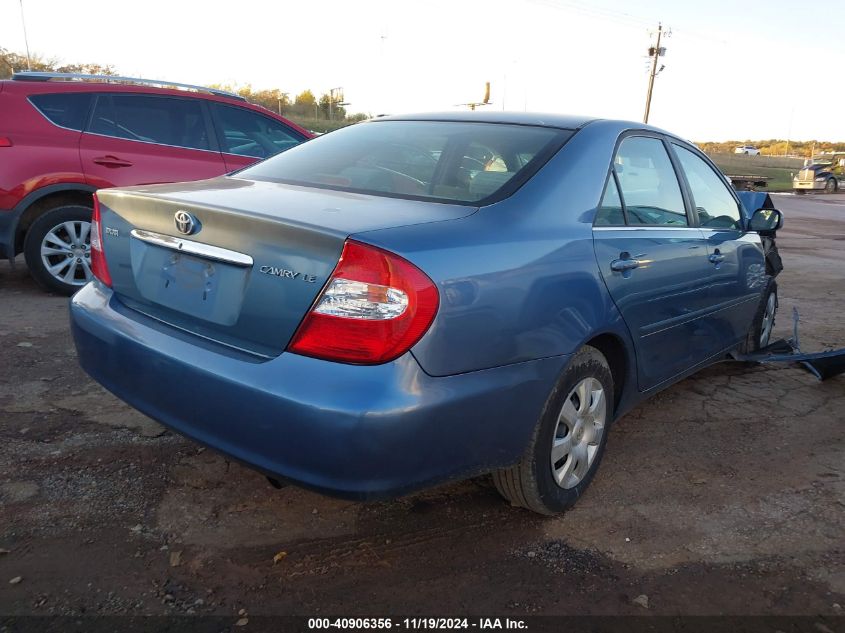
(375,306)
(5,141)
(99,267)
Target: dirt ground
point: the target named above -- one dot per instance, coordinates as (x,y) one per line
(725,494)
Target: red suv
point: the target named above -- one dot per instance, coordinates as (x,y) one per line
(63,136)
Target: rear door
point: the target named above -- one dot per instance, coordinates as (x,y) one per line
(653,260)
(737,265)
(45,140)
(135,139)
(246,136)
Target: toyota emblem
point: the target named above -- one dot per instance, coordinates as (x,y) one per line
(185,222)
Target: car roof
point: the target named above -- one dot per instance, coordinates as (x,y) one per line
(50,87)
(38,87)
(564,121)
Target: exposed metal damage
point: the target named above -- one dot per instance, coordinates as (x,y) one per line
(822,365)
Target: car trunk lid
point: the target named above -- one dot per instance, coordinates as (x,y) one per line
(255,259)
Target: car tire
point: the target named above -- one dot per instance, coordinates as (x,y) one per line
(760,332)
(57,248)
(568,441)
(830,186)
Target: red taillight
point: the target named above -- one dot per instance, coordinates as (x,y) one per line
(99,267)
(5,141)
(373,309)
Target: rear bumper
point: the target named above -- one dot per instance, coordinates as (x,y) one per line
(350,431)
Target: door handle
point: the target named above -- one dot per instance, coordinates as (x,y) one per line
(623,264)
(716,257)
(111,161)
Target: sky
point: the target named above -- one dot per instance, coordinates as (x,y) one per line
(733,69)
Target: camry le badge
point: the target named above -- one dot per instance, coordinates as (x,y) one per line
(287,274)
(186,223)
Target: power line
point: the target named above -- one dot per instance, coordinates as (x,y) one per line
(595,12)
(606,12)
(620,17)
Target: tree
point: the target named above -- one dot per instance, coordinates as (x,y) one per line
(11,63)
(304,109)
(87,69)
(274,100)
(335,111)
(305,98)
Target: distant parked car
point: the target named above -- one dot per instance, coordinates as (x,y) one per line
(64,136)
(748,150)
(365,319)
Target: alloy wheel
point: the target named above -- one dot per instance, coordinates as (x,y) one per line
(66,252)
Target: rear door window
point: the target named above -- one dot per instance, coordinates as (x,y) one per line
(716,206)
(610,211)
(152,119)
(248,133)
(69,109)
(648,183)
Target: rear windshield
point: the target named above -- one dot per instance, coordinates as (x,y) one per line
(426,160)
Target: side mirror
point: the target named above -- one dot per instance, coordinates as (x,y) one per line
(766,221)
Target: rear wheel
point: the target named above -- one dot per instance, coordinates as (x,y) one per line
(830,185)
(568,442)
(57,248)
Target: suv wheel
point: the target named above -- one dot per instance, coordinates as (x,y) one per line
(760,333)
(58,248)
(569,440)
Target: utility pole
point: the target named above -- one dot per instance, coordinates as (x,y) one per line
(25,40)
(331,102)
(335,99)
(654,52)
(789,131)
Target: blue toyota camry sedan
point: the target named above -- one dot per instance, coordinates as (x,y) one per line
(418,299)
